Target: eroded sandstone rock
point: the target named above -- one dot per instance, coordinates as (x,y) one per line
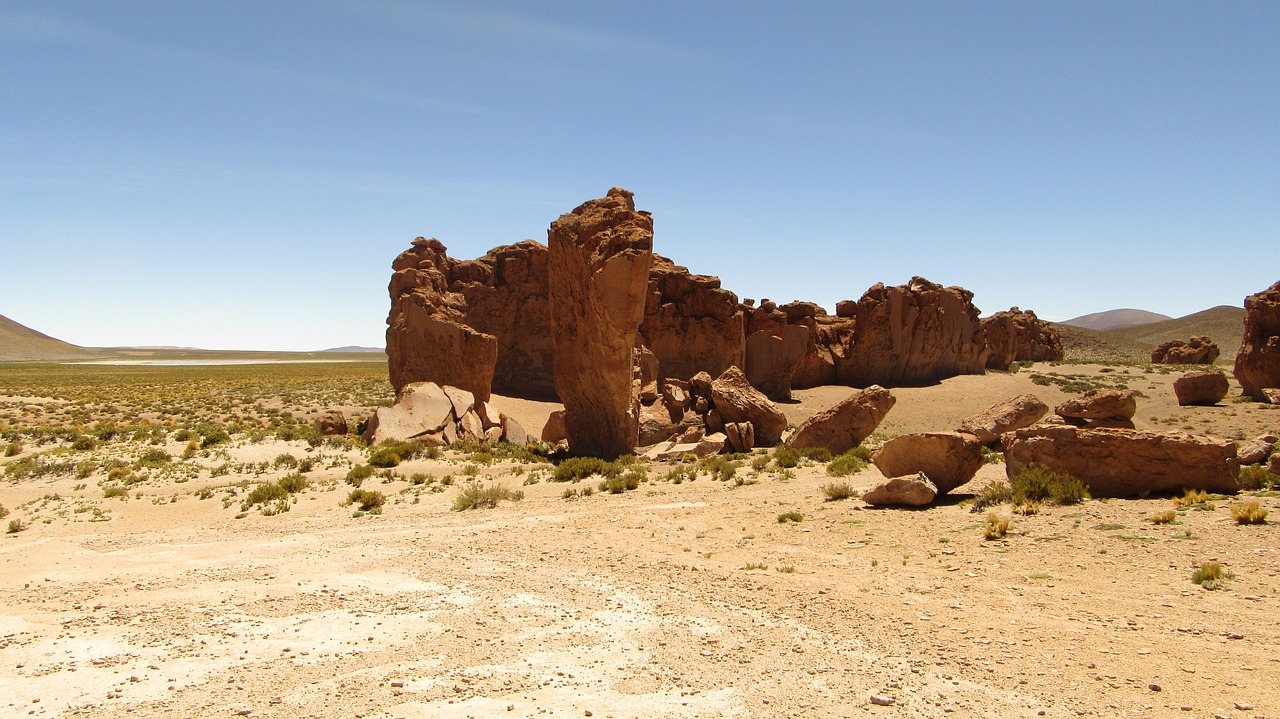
(1019,336)
(1100,404)
(948,459)
(331,423)
(421,409)
(844,426)
(1119,463)
(600,254)
(691,324)
(911,491)
(735,400)
(1258,361)
(1197,350)
(1206,387)
(1021,411)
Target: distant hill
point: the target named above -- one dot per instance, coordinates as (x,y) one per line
(1115,319)
(1223,324)
(18,342)
(1082,344)
(354,348)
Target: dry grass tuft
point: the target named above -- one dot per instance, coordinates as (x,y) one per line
(1249,512)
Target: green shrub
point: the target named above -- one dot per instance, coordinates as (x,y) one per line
(577,468)
(817,454)
(473,496)
(84,443)
(623,482)
(284,460)
(212,435)
(12,449)
(264,493)
(1033,484)
(182,435)
(391,453)
(152,458)
(293,483)
(3,512)
(16,525)
(366,500)
(835,491)
(786,457)
(1210,575)
(720,468)
(358,474)
(1255,476)
(849,463)
(795,517)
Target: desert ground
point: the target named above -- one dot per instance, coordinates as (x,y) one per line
(176,596)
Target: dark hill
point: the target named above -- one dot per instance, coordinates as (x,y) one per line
(18,342)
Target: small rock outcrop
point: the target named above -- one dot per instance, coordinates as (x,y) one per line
(1112,408)
(948,459)
(691,324)
(912,491)
(1256,451)
(1121,463)
(676,449)
(1258,361)
(331,423)
(735,400)
(1021,411)
(844,426)
(1019,336)
(1206,387)
(433,415)
(1197,350)
(599,260)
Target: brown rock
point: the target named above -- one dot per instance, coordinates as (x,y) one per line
(331,423)
(737,401)
(1116,463)
(660,423)
(949,459)
(1273,464)
(741,436)
(693,434)
(690,323)
(493,435)
(708,446)
(844,426)
(472,428)
(1021,411)
(1256,451)
(462,400)
(1271,395)
(1197,350)
(771,359)
(1258,361)
(1019,336)
(512,431)
(422,346)
(600,255)
(700,385)
(912,491)
(555,429)
(1099,404)
(422,408)
(1206,387)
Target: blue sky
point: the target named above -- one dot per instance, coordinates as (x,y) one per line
(241,174)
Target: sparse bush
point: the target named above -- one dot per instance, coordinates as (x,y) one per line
(358,474)
(365,499)
(835,491)
(182,435)
(680,475)
(622,483)
(849,463)
(1028,508)
(1033,484)
(1163,517)
(760,463)
(1249,512)
(474,496)
(720,468)
(1255,477)
(212,435)
(284,460)
(293,483)
(786,457)
(996,528)
(114,490)
(12,449)
(306,464)
(577,468)
(1210,575)
(1191,498)
(152,458)
(795,517)
(16,525)
(3,512)
(817,454)
(264,493)
(84,443)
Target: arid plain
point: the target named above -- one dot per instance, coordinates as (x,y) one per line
(179,596)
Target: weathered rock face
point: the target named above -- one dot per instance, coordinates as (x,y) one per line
(1019,336)
(1208,387)
(331,423)
(1100,404)
(948,459)
(1258,361)
(1273,464)
(434,415)
(476,324)
(1257,450)
(710,445)
(913,491)
(1119,463)
(844,426)
(771,359)
(1197,350)
(691,324)
(735,400)
(1021,411)
(600,254)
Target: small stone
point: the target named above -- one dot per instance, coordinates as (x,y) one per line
(1154,687)
(883,701)
(1243,707)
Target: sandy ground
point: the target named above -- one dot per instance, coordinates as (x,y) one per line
(686,600)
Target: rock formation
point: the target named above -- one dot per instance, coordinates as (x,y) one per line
(331,423)
(690,323)
(1019,336)
(948,459)
(1197,350)
(1206,387)
(1021,411)
(600,254)
(1112,408)
(433,415)
(1256,451)
(913,491)
(1120,463)
(476,324)
(735,400)
(1258,361)
(844,426)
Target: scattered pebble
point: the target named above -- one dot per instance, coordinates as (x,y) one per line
(883,701)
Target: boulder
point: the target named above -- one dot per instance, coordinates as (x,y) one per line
(1021,411)
(555,429)
(1256,451)
(422,346)
(772,358)
(1204,387)
(422,408)
(471,426)
(844,426)
(462,400)
(691,324)
(1019,336)
(737,401)
(1273,464)
(1116,463)
(911,491)
(512,431)
(1271,395)
(741,436)
(1258,360)
(708,446)
(1100,404)
(1197,350)
(1102,422)
(659,422)
(331,423)
(600,254)
(949,459)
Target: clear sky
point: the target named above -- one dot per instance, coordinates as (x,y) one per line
(240,175)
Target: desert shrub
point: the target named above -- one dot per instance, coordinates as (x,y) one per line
(623,482)
(1192,498)
(1028,508)
(1210,575)
(365,499)
(15,526)
(835,491)
(264,493)
(114,490)
(182,435)
(284,460)
(996,528)
(212,435)
(12,449)
(84,443)
(680,475)
(1163,517)
(577,468)
(37,466)
(152,458)
(3,512)
(992,456)
(391,453)
(786,457)
(817,454)
(293,483)
(474,496)
(720,468)
(795,517)
(760,463)
(306,464)
(849,463)
(358,474)
(1255,476)
(1249,512)
(1034,484)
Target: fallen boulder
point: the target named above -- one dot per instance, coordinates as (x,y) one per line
(844,426)
(1257,450)
(1117,463)
(554,430)
(741,436)
(948,459)
(911,491)
(711,444)
(1021,411)
(1205,387)
(735,400)
(1100,404)
(422,409)
(331,423)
